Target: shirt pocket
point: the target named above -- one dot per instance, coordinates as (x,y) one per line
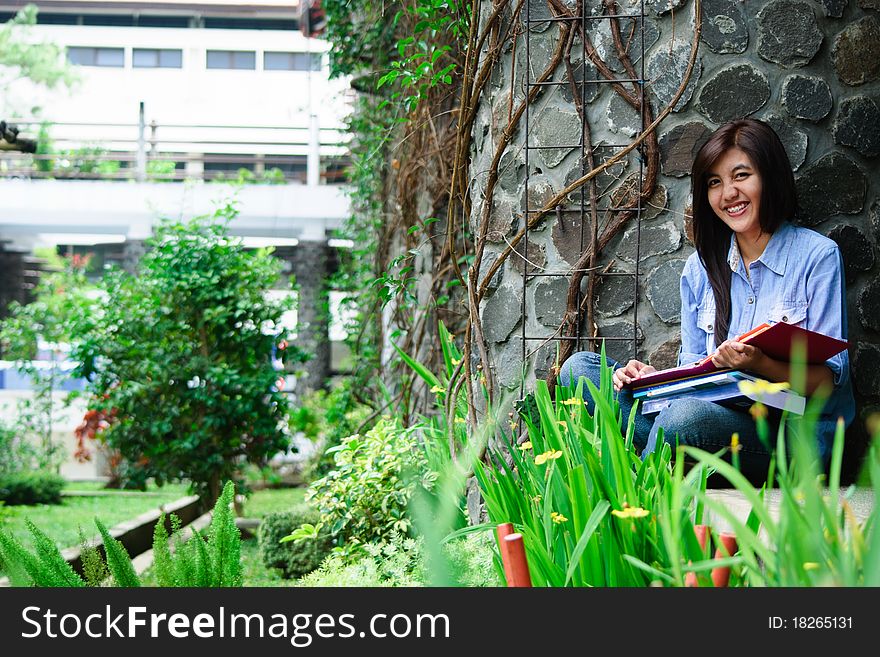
(790,312)
(706,323)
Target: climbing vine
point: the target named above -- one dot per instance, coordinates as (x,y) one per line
(415,213)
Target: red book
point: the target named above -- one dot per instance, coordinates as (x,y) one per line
(775,340)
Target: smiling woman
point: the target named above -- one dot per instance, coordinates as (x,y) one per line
(752,265)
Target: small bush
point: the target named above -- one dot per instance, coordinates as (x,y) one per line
(365,497)
(399,562)
(31,488)
(294,558)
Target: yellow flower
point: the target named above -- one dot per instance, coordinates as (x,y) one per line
(758,411)
(734,443)
(558,517)
(460,420)
(811,565)
(456,362)
(630,512)
(547,456)
(526,445)
(561,424)
(573,402)
(536,499)
(438,389)
(762,387)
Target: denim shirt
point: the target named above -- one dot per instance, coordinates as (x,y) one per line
(797,279)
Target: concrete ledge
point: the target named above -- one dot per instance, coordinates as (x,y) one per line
(861,501)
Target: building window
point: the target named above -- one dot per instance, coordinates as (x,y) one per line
(291,61)
(232,59)
(82,56)
(156,58)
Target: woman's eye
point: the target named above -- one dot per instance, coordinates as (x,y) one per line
(713,183)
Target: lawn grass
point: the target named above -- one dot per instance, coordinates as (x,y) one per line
(62,521)
(272,500)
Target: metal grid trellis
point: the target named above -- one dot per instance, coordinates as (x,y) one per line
(588,228)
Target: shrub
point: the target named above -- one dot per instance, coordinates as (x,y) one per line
(365,497)
(293,558)
(31,488)
(397,562)
(401,562)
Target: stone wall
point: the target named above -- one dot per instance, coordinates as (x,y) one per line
(810,68)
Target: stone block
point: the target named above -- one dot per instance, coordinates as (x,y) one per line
(679,146)
(733,93)
(788,33)
(856,52)
(806,97)
(857,124)
(832,185)
(662,290)
(855,248)
(725,27)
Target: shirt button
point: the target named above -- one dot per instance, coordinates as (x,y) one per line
(785,318)
(710,327)
(751,300)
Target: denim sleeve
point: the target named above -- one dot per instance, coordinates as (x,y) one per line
(693,340)
(826,295)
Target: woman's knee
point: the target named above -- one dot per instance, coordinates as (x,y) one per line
(693,422)
(583,363)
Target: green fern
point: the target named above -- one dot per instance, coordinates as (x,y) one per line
(201,558)
(94,568)
(22,567)
(163,564)
(54,566)
(118,559)
(224,540)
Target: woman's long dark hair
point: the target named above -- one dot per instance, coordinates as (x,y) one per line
(778,202)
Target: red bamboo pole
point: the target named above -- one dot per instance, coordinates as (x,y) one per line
(501,531)
(519,567)
(721,575)
(702,532)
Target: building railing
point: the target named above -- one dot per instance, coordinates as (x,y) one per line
(156,152)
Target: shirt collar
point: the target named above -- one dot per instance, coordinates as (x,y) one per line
(775,254)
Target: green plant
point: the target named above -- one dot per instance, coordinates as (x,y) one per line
(215,562)
(815,538)
(364,498)
(327,417)
(180,356)
(31,487)
(396,561)
(591,512)
(212,563)
(293,558)
(61,310)
(161,170)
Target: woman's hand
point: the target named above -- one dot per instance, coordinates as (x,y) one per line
(738,356)
(634,369)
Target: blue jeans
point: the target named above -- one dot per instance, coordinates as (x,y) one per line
(693,422)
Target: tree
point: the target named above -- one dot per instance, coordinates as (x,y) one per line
(60,311)
(181,357)
(23,59)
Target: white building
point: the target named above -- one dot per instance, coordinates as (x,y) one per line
(208,87)
(172,95)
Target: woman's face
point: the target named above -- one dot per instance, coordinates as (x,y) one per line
(734,189)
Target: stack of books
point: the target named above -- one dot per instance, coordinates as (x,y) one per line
(704,380)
